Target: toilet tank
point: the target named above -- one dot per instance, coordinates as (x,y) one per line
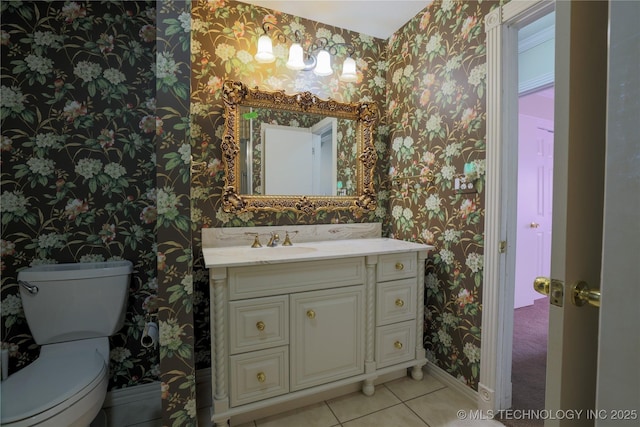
(76,300)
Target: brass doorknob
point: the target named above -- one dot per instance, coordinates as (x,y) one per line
(581,295)
(534,225)
(552,288)
(311,314)
(398,345)
(541,285)
(399,303)
(261,377)
(260,326)
(399,266)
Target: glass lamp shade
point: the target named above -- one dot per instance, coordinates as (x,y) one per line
(296,57)
(323,67)
(265,50)
(349,70)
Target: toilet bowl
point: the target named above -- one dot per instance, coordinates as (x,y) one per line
(67,384)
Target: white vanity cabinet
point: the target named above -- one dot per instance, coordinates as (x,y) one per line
(292,322)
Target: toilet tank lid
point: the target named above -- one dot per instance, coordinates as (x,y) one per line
(48,382)
(75,270)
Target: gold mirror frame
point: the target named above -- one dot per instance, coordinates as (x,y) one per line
(236,94)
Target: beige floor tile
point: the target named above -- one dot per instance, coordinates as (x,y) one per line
(318,415)
(395,416)
(440,409)
(355,405)
(407,388)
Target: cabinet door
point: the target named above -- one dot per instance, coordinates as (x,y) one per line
(327,336)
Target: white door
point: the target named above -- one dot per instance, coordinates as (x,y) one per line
(287,160)
(618,380)
(575,353)
(535,178)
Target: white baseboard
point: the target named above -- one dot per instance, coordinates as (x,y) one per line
(451,382)
(138,406)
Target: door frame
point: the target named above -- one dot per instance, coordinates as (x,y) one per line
(501,27)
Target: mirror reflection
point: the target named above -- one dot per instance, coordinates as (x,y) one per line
(296,152)
(290,153)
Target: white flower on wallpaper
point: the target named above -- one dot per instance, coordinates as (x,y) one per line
(87,70)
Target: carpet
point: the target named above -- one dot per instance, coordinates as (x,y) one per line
(528,374)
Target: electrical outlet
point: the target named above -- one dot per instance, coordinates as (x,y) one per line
(461,185)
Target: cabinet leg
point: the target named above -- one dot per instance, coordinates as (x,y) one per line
(368,389)
(416,372)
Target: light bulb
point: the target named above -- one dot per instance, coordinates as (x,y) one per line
(265,50)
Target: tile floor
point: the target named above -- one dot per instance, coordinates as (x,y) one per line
(398,403)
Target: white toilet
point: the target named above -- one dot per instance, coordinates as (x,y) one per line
(72,309)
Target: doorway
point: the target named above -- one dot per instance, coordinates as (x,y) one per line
(504,85)
(533,211)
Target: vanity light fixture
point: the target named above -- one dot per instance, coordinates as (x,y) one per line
(317,57)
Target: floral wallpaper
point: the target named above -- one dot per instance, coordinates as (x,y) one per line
(77,125)
(104,103)
(436,110)
(224,39)
(174,229)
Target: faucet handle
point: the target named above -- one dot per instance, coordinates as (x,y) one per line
(287,239)
(256,241)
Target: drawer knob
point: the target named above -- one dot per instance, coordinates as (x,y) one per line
(311,314)
(398,345)
(261,377)
(399,303)
(399,266)
(260,326)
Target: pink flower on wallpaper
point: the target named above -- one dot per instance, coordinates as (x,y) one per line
(214,84)
(467,208)
(270,18)
(238,29)
(468,115)
(105,42)
(71,11)
(215,4)
(468,25)
(73,110)
(108,233)
(424,21)
(106,138)
(74,208)
(464,298)
(149,215)
(148,33)
(149,124)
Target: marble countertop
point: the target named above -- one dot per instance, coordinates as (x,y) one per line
(237,256)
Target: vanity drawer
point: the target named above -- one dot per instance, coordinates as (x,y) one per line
(256,324)
(395,301)
(395,343)
(397,266)
(259,375)
(274,279)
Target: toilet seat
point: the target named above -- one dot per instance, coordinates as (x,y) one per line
(53,383)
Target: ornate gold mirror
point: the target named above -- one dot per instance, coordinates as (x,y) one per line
(296,152)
